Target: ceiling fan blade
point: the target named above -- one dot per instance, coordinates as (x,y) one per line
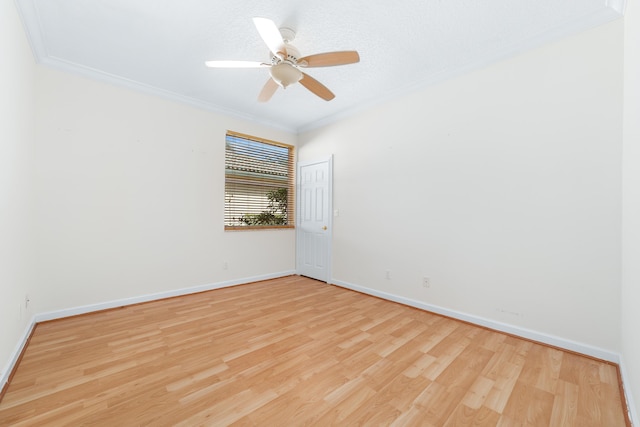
(316,87)
(235,64)
(268,90)
(271,36)
(330,59)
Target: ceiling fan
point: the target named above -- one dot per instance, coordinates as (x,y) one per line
(286,63)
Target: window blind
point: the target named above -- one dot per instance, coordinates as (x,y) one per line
(259,183)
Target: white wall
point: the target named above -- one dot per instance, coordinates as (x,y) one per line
(502,186)
(631,204)
(16,152)
(506,192)
(131,197)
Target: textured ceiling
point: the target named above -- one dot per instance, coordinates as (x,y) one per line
(160,46)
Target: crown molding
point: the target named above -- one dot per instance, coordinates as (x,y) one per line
(28,13)
(484,59)
(620,6)
(113,79)
(27,9)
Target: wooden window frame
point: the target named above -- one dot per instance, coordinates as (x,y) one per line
(230,181)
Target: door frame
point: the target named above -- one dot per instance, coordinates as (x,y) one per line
(328,254)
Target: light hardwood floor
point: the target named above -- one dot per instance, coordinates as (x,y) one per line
(295,351)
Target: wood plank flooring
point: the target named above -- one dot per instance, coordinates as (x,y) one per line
(295,351)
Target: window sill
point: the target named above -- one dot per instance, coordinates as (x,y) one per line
(254,228)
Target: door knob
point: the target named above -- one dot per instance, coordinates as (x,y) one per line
(324,228)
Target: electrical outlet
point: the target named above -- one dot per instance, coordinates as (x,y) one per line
(387,275)
(225,265)
(426,282)
(26,301)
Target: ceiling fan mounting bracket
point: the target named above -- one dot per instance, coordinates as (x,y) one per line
(288,35)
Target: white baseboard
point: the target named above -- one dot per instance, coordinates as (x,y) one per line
(13,359)
(555,341)
(510,329)
(633,415)
(577,347)
(74,311)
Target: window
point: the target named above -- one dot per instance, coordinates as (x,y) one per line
(258,184)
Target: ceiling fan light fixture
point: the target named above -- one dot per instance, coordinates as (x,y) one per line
(285,74)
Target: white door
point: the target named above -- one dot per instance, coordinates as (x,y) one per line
(313,235)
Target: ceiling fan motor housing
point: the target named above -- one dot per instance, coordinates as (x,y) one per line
(291,55)
(284,71)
